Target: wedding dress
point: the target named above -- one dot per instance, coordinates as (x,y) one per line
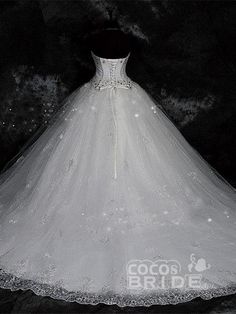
(111,204)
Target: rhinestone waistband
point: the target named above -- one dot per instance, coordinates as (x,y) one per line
(100,84)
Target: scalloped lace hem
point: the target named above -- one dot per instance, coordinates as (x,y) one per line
(173,296)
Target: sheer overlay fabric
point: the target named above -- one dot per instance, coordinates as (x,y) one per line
(112,182)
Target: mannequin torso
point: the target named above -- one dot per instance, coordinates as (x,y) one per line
(110,43)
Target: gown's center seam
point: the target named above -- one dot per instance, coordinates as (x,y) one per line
(112,99)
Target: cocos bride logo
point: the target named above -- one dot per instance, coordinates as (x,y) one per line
(160,274)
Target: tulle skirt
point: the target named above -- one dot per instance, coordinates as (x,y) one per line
(111,204)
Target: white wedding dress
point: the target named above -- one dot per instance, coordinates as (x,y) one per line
(110,188)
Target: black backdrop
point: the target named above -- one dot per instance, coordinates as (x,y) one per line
(184,57)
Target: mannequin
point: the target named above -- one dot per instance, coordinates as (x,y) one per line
(110,43)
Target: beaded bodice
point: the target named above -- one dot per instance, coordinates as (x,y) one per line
(110,73)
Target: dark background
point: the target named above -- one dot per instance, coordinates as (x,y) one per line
(184,57)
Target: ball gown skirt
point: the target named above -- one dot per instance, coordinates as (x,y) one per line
(108,190)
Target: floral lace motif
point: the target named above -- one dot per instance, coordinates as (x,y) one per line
(173,296)
(110,73)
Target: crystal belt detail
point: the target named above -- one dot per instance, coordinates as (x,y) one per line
(110,73)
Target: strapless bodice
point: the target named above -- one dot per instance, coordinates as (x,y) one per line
(110,73)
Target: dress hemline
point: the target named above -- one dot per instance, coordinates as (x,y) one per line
(57,292)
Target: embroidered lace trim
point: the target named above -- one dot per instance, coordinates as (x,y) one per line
(173,296)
